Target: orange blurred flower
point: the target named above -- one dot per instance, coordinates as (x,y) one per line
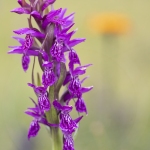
(110,23)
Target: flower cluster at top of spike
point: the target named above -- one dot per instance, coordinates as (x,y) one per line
(56,46)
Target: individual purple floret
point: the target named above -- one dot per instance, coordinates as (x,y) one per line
(75,85)
(48,77)
(63,43)
(39,117)
(42,94)
(67,125)
(26,45)
(26,49)
(76,89)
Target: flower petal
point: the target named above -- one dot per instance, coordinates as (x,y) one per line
(67,79)
(80,70)
(47,3)
(20,40)
(48,78)
(62,13)
(19,50)
(34,129)
(66,97)
(58,106)
(68,143)
(32,114)
(34,32)
(44,102)
(67,125)
(51,17)
(25,62)
(45,122)
(44,55)
(36,14)
(73,57)
(77,120)
(69,20)
(74,42)
(80,105)
(21,11)
(32,85)
(23,3)
(86,89)
(16,50)
(67,29)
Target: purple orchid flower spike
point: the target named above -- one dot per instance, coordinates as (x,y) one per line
(42,94)
(53,45)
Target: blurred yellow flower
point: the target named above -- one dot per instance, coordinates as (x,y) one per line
(110,23)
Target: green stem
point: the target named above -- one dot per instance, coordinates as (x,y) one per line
(52,117)
(56,142)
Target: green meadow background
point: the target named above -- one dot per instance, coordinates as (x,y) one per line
(118,106)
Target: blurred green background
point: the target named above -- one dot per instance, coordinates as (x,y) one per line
(118,106)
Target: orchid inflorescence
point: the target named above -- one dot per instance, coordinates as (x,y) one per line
(51,43)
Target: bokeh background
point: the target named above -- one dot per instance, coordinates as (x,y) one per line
(118,44)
